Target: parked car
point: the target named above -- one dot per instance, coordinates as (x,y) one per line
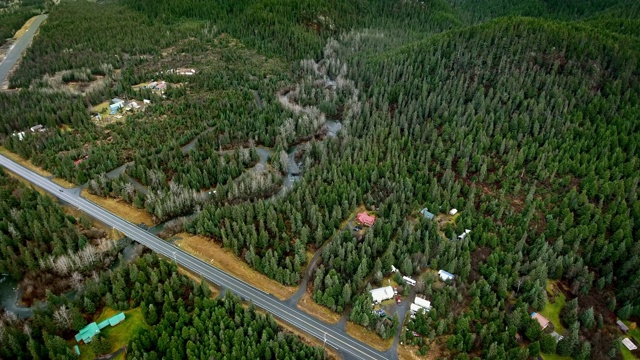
(398,300)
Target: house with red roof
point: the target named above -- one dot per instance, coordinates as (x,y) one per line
(365,219)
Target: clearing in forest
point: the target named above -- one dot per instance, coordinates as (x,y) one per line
(119,335)
(213,253)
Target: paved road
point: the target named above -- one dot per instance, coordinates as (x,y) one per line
(346,345)
(15,53)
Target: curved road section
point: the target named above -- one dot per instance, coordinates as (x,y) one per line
(349,347)
(15,53)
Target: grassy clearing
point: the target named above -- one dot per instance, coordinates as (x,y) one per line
(626,354)
(213,253)
(215,292)
(552,310)
(20,33)
(633,332)
(555,357)
(121,208)
(368,337)
(26,163)
(309,306)
(118,335)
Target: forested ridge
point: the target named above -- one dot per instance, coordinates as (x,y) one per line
(523,116)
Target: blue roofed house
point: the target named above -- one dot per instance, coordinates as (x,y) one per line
(445,275)
(425,212)
(116,104)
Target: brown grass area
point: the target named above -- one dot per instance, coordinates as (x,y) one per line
(213,253)
(121,208)
(309,306)
(368,337)
(24,28)
(64,183)
(408,352)
(26,163)
(215,292)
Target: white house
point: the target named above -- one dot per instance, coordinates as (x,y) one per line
(37,128)
(629,344)
(409,280)
(453,212)
(20,135)
(464,234)
(381,294)
(423,303)
(445,275)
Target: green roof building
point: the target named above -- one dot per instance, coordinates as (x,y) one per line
(93,329)
(116,319)
(87,333)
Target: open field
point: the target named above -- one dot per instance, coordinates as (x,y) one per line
(552,310)
(309,306)
(122,209)
(224,259)
(118,335)
(368,337)
(215,292)
(26,163)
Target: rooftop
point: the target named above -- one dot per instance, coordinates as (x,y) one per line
(543,321)
(365,218)
(425,212)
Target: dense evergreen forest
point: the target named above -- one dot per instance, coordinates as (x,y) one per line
(44,247)
(178,315)
(521,115)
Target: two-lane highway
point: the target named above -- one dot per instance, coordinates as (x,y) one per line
(349,347)
(18,47)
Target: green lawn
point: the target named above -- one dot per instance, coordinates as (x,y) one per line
(554,357)
(552,311)
(626,354)
(118,335)
(632,333)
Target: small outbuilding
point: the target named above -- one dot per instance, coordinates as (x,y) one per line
(622,326)
(425,212)
(445,275)
(628,343)
(453,212)
(464,234)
